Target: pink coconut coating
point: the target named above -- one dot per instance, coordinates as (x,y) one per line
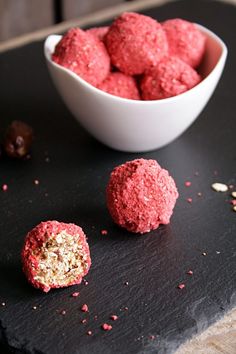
(185,41)
(32,249)
(135,42)
(121,85)
(99,32)
(170,77)
(141,195)
(84,54)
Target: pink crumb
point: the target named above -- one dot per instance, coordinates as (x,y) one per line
(104,232)
(84,308)
(188,184)
(75,294)
(114,317)
(181,286)
(189,200)
(106,327)
(4,187)
(190,272)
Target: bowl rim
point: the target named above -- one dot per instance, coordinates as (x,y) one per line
(204,30)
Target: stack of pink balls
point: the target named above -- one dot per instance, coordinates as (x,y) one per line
(136,57)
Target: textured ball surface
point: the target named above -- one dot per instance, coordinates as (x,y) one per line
(135,42)
(141,195)
(55,255)
(99,32)
(170,77)
(185,41)
(121,85)
(84,54)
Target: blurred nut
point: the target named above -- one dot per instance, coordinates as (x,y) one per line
(18,139)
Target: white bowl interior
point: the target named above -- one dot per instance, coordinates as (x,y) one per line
(215,48)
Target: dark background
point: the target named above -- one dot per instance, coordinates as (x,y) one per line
(71,189)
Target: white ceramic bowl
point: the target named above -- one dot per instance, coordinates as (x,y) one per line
(137,126)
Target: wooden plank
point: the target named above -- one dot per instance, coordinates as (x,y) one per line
(90,19)
(219,338)
(74,8)
(18,17)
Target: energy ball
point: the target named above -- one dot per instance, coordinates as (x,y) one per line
(185,41)
(141,195)
(55,255)
(135,42)
(121,85)
(170,77)
(84,54)
(99,32)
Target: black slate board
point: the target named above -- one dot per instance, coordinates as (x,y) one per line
(75,180)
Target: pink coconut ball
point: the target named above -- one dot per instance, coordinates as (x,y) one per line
(84,54)
(99,32)
(120,85)
(170,77)
(135,42)
(141,195)
(185,41)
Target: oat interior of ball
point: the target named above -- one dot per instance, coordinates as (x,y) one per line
(62,260)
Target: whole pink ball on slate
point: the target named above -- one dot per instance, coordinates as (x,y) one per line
(141,195)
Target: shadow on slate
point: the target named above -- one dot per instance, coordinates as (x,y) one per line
(72,187)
